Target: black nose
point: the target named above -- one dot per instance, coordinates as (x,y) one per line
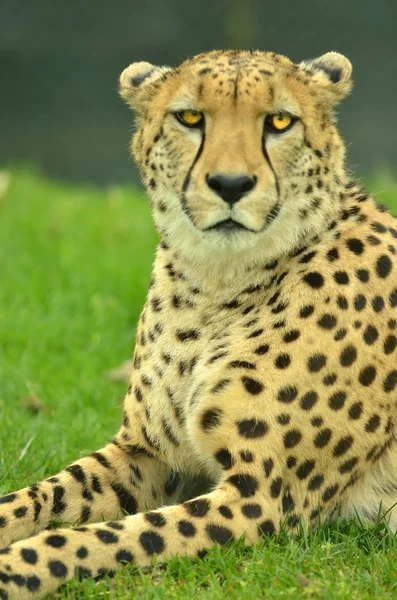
(231,188)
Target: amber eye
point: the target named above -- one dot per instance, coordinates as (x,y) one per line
(190,118)
(279,123)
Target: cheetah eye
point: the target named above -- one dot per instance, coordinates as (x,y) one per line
(279,123)
(190,118)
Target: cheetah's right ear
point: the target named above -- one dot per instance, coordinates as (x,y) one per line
(137,82)
(332,73)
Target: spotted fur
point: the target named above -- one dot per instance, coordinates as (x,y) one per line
(265,359)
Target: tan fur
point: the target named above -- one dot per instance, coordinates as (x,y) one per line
(265,355)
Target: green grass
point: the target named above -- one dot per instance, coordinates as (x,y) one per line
(74,268)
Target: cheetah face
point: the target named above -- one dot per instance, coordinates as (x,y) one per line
(226,144)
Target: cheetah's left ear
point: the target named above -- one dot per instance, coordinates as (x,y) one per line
(138,82)
(332,72)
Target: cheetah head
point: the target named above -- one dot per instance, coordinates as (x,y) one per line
(239,150)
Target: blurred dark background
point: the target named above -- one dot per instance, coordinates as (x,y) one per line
(60,61)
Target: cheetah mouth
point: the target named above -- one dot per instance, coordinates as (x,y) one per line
(227,225)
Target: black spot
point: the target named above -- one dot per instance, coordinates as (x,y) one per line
(101,459)
(252,428)
(58,504)
(292,438)
(246,484)
(287,502)
(307,257)
(124,556)
(282,361)
(315,482)
(308,400)
(322,438)
(378,304)
(291,336)
(77,472)
(348,356)
(225,512)
(355,245)
(58,569)
(316,362)
(127,502)
(32,583)
(251,511)
(247,456)
(172,483)
(367,375)
(156,519)
(20,512)
(337,400)
(268,465)
(139,79)
(82,552)
(383,266)
(186,528)
(314,279)
(390,344)
(225,458)
(116,525)
(241,364)
(56,541)
(342,302)
(373,423)
(287,394)
(266,528)
(362,275)
(355,410)
(330,379)
(197,508)
(151,542)
(327,321)
(7,499)
(219,535)
(106,537)
(333,254)
(262,349)
(330,492)
(304,469)
(283,419)
(378,227)
(211,418)
(341,277)
(393,298)
(29,555)
(82,573)
(252,386)
(291,461)
(275,487)
(343,446)
(190,334)
(370,335)
(359,302)
(348,465)
(96,485)
(306,311)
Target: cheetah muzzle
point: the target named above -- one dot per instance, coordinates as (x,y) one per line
(265,358)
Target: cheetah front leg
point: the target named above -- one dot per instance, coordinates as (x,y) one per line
(117,480)
(235,508)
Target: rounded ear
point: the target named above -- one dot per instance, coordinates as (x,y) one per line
(136,82)
(331,71)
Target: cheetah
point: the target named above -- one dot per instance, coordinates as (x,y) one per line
(265,358)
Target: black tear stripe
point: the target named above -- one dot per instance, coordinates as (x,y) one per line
(266,155)
(186,182)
